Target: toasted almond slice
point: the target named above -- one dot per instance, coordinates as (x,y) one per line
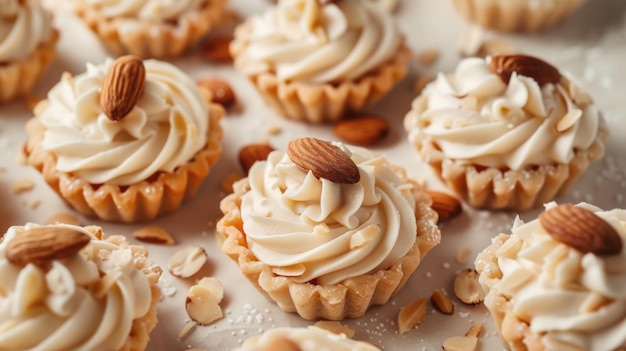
(567,121)
(462,255)
(63,217)
(460,343)
(214,286)
(411,315)
(335,327)
(186,330)
(290,271)
(441,302)
(364,236)
(187,261)
(475,330)
(201,305)
(593,302)
(22,185)
(467,288)
(153,235)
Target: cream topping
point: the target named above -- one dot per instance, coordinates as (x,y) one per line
(164,130)
(301,40)
(84,302)
(473,115)
(154,10)
(23,26)
(310,228)
(308,339)
(578,301)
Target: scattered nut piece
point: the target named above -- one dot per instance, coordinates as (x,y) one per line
(467,288)
(187,329)
(335,327)
(216,49)
(35,204)
(290,271)
(462,255)
(201,305)
(411,315)
(421,82)
(187,261)
(274,130)
(221,92)
(475,330)
(22,185)
(428,56)
(227,183)
(541,71)
(154,235)
(460,343)
(446,206)
(251,153)
(364,130)
(63,217)
(441,302)
(568,121)
(214,286)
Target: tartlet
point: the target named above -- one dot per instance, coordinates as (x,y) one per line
(506,132)
(27,46)
(132,165)
(557,282)
(326,230)
(67,287)
(316,62)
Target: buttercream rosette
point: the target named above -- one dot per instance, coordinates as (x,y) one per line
(102,297)
(150,28)
(517,15)
(27,46)
(311,338)
(133,169)
(506,141)
(547,295)
(322,249)
(317,62)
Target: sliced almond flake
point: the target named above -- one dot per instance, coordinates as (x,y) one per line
(106,282)
(475,330)
(187,329)
(154,235)
(579,95)
(215,287)
(22,185)
(201,306)
(511,283)
(428,56)
(467,288)
(63,217)
(462,255)
(411,315)
(321,229)
(567,121)
(290,271)
(460,343)
(187,261)
(593,302)
(471,41)
(335,327)
(364,236)
(441,302)
(274,130)
(421,82)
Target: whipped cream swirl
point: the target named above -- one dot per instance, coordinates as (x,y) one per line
(154,10)
(164,130)
(23,26)
(301,40)
(311,228)
(472,115)
(308,339)
(85,302)
(575,301)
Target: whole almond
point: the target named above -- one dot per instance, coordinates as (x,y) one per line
(324,159)
(364,130)
(581,229)
(251,153)
(446,206)
(216,49)
(122,87)
(528,66)
(221,91)
(40,245)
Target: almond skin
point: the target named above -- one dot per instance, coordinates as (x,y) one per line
(324,159)
(40,245)
(581,229)
(251,153)
(528,66)
(364,130)
(446,206)
(122,87)
(221,92)
(216,49)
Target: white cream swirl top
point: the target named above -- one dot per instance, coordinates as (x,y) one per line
(84,302)
(164,130)
(309,228)
(577,300)
(473,116)
(307,339)
(151,10)
(23,26)
(301,40)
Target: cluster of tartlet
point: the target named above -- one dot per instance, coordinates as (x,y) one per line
(324,229)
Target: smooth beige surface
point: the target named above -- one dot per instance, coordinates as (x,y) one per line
(592,46)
